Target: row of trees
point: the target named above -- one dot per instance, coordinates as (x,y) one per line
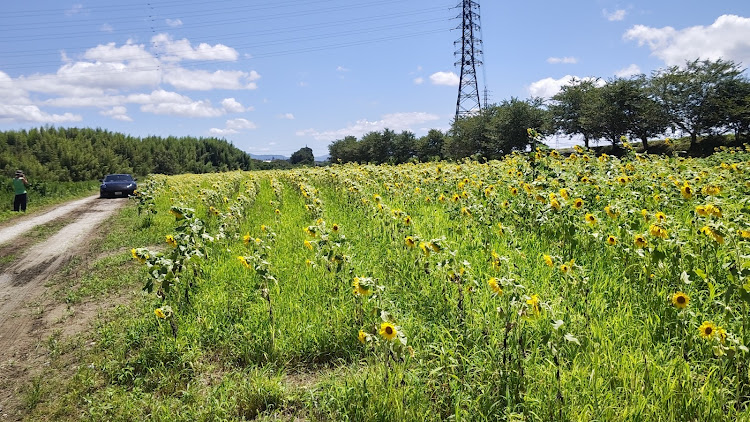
(702,98)
(72,154)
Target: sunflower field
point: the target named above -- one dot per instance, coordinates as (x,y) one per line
(540,287)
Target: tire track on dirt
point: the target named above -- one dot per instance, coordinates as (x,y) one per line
(24,280)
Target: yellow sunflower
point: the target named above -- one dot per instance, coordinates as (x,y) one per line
(657,231)
(171,241)
(492,282)
(410,242)
(578,203)
(533,303)
(159,313)
(362,337)
(707,330)
(590,218)
(611,240)
(680,300)
(640,241)
(548,260)
(686,191)
(359,288)
(388,331)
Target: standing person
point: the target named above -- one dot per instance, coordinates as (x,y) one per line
(19,187)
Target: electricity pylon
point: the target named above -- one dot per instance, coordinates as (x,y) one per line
(470,52)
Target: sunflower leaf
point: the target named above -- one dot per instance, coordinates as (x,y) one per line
(571,338)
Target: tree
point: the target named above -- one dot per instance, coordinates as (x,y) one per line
(567,109)
(404,147)
(430,146)
(734,105)
(303,156)
(345,150)
(647,118)
(509,124)
(690,95)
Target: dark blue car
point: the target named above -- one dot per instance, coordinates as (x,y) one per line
(117,185)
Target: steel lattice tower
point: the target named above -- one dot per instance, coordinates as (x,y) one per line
(468,89)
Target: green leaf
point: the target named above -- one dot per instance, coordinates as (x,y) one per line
(571,338)
(685,278)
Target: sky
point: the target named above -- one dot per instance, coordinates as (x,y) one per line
(272,77)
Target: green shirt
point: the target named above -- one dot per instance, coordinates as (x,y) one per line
(18,186)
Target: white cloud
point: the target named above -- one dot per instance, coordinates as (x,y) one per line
(418,80)
(32,113)
(174,23)
(117,113)
(445,78)
(548,87)
(286,116)
(631,70)
(727,38)
(617,15)
(76,9)
(397,122)
(342,69)
(177,50)
(232,106)
(562,60)
(201,80)
(240,124)
(174,104)
(233,126)
(106,28)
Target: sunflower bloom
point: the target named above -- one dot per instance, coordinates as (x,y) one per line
(640,241)
(425,248)
(611,213)
(496,288)
(548,260)
(657,231)
(171,241)
(359,288)
(680,300)
(707,330)
(159,313)
(564,193)
(578,203)
(660,216)
(246,238)
(308,245)
(590,218)
(686,191)
(388,331)
(362,337)
(711,190)
(410,242)
(533,303)
(611,240)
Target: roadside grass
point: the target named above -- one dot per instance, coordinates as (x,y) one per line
(500,304)
(43,195)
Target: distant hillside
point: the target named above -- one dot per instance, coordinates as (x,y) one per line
(268,157)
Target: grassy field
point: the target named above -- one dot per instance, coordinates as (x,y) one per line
(540,287)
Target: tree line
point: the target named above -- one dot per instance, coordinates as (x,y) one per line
(73,154)
(702,98)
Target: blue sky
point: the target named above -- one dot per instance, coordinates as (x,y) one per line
(274,76)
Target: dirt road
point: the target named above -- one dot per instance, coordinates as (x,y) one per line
(26,271)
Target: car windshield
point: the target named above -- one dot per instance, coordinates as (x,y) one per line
(118,178)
